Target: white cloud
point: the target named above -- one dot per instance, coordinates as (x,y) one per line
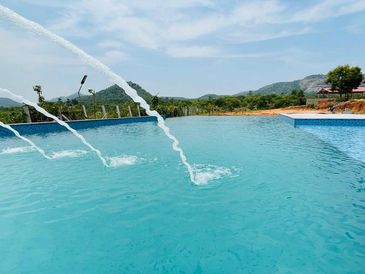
(212,52)
(112,57)
(24,49)
(160,25)
(195,51)
(328,9)
(258,12)
(264,35)
(109,44)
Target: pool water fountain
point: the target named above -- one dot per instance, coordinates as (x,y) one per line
(22,100)
(112,162)
(96,64)
(33,145)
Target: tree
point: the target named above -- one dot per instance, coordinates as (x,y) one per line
(38,90)
(344,79)
(154,102)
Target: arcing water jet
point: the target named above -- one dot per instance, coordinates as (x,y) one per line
(17,134)
(22,100)
(37,28)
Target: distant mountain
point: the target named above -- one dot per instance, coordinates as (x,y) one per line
(209,96)
(65,98)
(308,84)
(115,94)
(5,102)
(165,98)
(112,94)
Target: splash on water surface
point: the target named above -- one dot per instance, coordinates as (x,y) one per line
(68,154)
(125,160)
(207,173)
(15,150)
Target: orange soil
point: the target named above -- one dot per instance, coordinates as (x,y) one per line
(356,106)
(273,112)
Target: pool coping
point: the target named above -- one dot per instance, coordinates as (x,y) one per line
(311,119)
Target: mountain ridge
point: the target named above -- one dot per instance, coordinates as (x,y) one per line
(308,84)
(111,94)
(6,102)
(115,94)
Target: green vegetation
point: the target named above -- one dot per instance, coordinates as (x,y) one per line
(344,79)
(211,105)
(169,107)
(10,115)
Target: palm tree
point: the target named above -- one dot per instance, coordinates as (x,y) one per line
(38,89)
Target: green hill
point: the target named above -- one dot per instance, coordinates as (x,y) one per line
(308,84)
(111,95)
(209,96)
(6,102)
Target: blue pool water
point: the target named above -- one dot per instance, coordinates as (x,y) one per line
(350,140)
(281,200)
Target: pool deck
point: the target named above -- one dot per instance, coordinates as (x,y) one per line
(310,119)
(49,127)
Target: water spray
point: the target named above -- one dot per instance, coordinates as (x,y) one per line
(96,64)
(17,134)
(22,100)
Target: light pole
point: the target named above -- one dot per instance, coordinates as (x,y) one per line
(91,91)
(83,80)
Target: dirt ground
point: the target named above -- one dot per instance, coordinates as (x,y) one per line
(274,112)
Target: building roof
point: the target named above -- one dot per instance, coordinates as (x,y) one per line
(335,91)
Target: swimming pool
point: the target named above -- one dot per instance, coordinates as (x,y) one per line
(282,200)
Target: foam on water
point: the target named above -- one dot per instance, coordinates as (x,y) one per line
(15,150)
(206,173)
(17,134)
(123,160)
(68,154)
(96,64)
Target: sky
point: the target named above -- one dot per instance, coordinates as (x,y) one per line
(183,47)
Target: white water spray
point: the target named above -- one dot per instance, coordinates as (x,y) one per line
(17,134)
(22,100)
(37,28)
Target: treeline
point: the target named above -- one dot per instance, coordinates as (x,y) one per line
(177,107)
(169,107)
(71,109)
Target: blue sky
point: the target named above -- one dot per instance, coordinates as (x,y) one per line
(182,47)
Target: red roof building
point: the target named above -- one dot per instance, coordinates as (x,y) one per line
(358,90)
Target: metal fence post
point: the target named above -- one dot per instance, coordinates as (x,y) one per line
(84,110)
(118,111)
(139,111)
(27,114)
(105,115)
